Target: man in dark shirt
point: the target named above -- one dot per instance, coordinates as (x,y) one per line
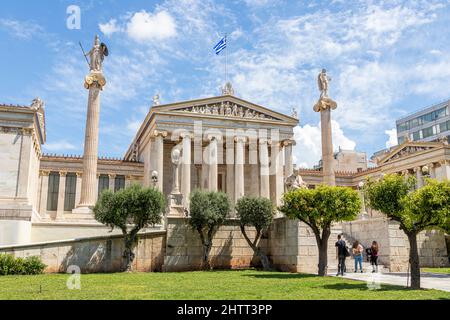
(341,254)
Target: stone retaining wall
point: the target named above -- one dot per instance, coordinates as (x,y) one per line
(97,254)
(229,251)
(394,245)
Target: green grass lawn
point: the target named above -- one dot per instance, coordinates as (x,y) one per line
(437,270)
(215,285)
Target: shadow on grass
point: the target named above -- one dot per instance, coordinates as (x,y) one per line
(278,275)
(361,286)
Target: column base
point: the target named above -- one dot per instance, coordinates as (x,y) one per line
(83,210)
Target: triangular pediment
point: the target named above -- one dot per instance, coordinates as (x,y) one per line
(407,149)
(228,107)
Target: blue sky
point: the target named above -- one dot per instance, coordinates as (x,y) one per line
(386,59)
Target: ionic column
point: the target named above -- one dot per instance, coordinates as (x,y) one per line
(96,187)
(61,195)
(159,157)
(418,172)
(445,169)
(264,167)
(432,170)
(229,158)
(186,168)
(78,189)
(277,163)
(212,160)
(112,181)
(44,192)
(128,180)
(288,160)
(239,187)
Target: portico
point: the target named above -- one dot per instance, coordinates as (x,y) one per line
(227,144)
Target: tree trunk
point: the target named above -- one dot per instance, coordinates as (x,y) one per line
(206,265)
(414,260)
(128,254)
(254,245)
(322,244)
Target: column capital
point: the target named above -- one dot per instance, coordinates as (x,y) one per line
(241,139)
(98,175)
(79,174)
(185,135)
(213,136)
(44,173)
(27,131)
(443,162)
(431,165)
(265,141)
(289,142)
(405,172)
(417,169)
(63,173)
(159,133)
(112,175)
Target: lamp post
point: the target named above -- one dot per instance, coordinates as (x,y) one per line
(361,189)
(155,178)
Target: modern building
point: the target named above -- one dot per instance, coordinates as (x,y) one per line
(347,161)
(429,124)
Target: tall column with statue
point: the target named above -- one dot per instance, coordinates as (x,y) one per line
(94,82)
(324,106)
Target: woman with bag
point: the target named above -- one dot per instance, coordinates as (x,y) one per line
(357,250)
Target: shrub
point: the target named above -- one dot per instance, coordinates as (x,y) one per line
(34,265)
(9,265)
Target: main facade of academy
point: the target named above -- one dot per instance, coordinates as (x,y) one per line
(233,145)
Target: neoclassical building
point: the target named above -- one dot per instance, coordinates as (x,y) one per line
(226,144)
(220,143)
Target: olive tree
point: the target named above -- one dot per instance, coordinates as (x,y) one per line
(208,211)
(319,208)
(415,210)
(258,213)
(130,210)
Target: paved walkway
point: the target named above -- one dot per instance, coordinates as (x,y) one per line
(427,280)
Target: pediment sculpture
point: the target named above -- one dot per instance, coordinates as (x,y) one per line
(408,151)
(227,109)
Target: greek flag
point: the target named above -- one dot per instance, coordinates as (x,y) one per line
(221,45)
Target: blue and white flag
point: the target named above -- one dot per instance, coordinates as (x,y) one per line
(221,45)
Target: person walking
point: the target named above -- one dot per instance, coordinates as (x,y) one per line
(341,254)
(357,250)
(374,256)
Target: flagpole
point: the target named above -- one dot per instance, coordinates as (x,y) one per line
(226,59)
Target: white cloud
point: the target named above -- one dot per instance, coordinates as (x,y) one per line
(392,138)
(109,28)
(144,26)
(21,29)
(308,150)
(61,145)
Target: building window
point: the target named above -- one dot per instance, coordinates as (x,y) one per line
(53,191)
(401,139)
(427,132)
(119,183)
(71,190)
(103,183)
(416,136)
(444,126)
